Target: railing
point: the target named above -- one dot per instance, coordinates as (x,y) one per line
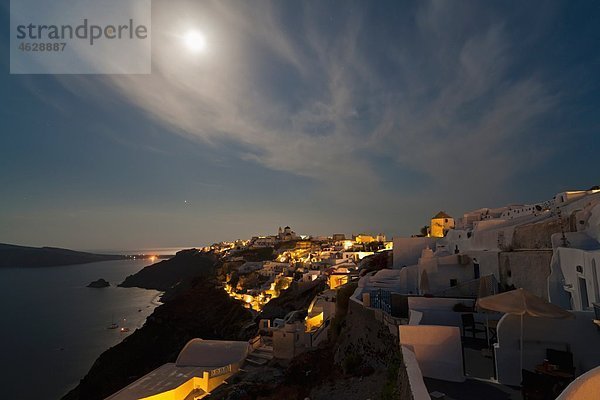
(255,342)
(219,371)
(382,300)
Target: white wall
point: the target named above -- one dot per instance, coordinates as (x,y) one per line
(586,386)
(556,292)
(415,376)
(484,235)
(407,250)
(593,222)
(519,211)
(456,238)
(385,279)
(438,311)
(438,350)
(441,270)
(565,276)
(580,335)
(414,317)
(436,303)
(529,270)
(488,262)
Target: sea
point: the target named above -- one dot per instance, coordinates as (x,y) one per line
(53,327)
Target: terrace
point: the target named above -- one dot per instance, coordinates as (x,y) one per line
(464,354)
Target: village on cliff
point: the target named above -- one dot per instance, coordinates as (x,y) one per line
(499,303)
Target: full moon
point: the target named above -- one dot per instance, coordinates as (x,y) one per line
(195,41)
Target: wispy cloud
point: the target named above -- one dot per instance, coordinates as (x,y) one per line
(314,99)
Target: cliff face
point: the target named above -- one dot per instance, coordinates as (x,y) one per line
(361,360)
(204,311)
(365,343)
(364,336)
(167,274)
(375,262)
(28,257)
(100,283)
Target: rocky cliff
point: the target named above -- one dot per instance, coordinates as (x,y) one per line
(100,283)
(202,311)
(174,274)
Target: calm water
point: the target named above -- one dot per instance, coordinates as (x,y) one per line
(53,327)
(160,251)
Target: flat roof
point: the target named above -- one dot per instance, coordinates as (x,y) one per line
(212,353)
(196,357)
(164,378)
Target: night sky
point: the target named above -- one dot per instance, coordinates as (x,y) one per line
(328,116)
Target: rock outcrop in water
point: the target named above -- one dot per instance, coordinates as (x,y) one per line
(29,257)
(100,283)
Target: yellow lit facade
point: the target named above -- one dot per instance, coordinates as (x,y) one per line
(338,280)
(362,238)
(303,245)
(441,223)
(187,378)
(365,239)
(314,322)
(258,301)
(200,384)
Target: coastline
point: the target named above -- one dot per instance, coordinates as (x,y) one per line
(63,324)
(190,290)
(149,309)
(156,300)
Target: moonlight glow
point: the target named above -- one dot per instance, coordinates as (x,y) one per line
(195,41)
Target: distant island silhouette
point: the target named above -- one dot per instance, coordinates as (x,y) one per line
(29,257)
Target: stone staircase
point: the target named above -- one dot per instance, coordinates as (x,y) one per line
(261,355)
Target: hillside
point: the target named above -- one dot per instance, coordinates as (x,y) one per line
(297,297)
(204,310)
(29,257)
(168,274)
